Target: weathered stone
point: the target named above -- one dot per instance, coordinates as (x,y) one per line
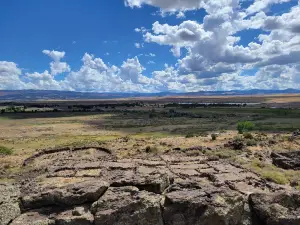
(127,206)
(149,163)
(78,216)
(198,207)
(152,182)
(74,194)
(119,165)
(247,216)
(33,218)
(287,160)
(167,189)
(175,159)
(8,212)
(275,209)
(9,205)
(9,193)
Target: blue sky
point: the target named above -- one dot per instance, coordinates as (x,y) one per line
(149,45)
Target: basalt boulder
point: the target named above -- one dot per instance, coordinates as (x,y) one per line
(287,160)
(74,194)
(9,204)
(275,209)
(201,207)
(127,206)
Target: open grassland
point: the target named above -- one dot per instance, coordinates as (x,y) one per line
(155,129)
(272,98)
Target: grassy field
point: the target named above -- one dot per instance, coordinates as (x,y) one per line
(155,127)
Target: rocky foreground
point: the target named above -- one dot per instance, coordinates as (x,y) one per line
(84,186)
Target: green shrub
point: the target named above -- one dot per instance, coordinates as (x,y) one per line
(237,138)
(251,142)
(150,149)
(257,164)
(245,126)
(203,134)
(189,135)
(272,141)
(214,137)
(5,151)
(248,135)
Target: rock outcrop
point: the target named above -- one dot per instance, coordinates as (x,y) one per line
(68,188)
(275,209)
(9,203)
(203,207)
(127,205)
(74,194)
(287,160)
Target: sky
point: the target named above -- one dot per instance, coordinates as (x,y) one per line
(149,45)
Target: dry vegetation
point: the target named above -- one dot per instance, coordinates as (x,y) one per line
(153,129)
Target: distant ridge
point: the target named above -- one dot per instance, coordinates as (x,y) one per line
(31,95)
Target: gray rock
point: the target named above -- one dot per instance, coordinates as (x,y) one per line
(275,209)
(199,207)
(8,212)
(9,193)
(33,218)
(127,206)
(155,181)
(75,194)
(9,205)
(287,160)
(78,216)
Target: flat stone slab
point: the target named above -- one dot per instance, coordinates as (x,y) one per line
(127,206)
(74,194)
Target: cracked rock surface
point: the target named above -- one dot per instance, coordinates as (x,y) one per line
(72,187)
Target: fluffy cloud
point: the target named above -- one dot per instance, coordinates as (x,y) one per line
(167,5)
(95,75)
(213,50)
(44,81)
(10,76)
(57,66)
(259,5)
(211,55)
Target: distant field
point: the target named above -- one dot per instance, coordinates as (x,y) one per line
(279,98)
(128,128)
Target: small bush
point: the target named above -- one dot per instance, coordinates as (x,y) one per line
(203,134)
(189,135)
(126,138)
(214,137)
(150,149)
(5,151)
(237,138)
(251,142)
(272,142)
(245,126)
(237,143)
(291,139)
(248,135)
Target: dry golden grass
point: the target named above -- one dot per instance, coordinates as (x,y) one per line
(130,134)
